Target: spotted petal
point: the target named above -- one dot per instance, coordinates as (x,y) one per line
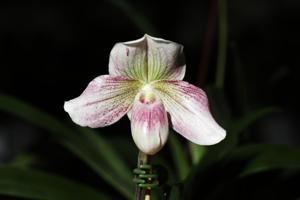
(105,100)
(148,59)
(189,111)
(149,124)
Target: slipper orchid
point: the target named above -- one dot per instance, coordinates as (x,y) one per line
(145,82)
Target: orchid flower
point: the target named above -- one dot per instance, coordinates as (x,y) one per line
(145,82)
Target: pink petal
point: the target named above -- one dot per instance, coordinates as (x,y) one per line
(189,110)
(105,100)
(149,124)
(148,59)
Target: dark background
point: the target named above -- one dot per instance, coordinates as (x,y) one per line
(50,51)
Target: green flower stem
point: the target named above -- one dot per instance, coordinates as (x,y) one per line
(143,159)
(223,40)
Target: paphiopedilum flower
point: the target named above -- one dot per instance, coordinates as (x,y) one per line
(145,82)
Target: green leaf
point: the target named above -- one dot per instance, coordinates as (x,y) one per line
(22,160)
(101,163)
(269,157)
(236,127)
(88,146)
(179,158)
(197,152)
(222,45)
(223,149)
(105,150)
(33,184)
(124,142)
(240,125)
(175,192)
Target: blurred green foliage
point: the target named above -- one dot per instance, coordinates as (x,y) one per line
(106,160)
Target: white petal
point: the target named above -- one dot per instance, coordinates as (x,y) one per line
(165,59)
(149,124)
(189,110)
(129,59)
(148,59)
(105,100)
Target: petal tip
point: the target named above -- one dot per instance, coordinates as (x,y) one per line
(215,138)
(66,106)
(137,41)
(72,114)
(221,136)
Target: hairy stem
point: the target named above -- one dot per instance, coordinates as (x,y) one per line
(143,159)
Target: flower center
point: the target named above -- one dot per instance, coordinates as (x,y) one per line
(147,95)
